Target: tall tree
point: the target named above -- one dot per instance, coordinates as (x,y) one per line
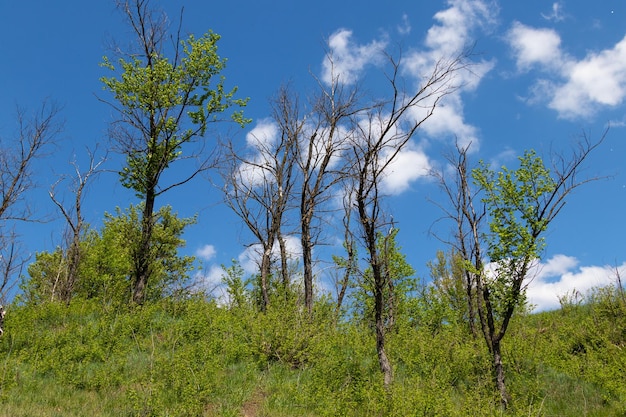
(379,135)
(319,149)
(258,185)
(519,205)
(165,102)
(465,209)
(17,157)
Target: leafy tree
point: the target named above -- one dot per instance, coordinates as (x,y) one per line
(107,257)
(398,284)
(43,277)
(165,105)
(449,287)
(233,278)
(520,204)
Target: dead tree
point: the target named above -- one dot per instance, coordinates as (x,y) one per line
(258,185)
(17,157)
(75,223)
(378,137)
(320,167)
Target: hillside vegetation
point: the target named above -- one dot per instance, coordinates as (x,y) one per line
(192,357)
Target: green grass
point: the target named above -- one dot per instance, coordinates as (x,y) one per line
(193,358)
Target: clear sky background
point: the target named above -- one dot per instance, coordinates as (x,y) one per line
(544,73)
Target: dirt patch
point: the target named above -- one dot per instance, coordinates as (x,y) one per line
(252,406)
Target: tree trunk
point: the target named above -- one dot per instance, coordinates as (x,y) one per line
(498,370)
(266,260)
(470,303)
(383,360)
(307,263)
(142,258)
(284,265)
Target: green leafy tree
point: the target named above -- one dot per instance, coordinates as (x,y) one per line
(43,276)
(399,283)
(448,291)
(107,257)
(520,204)
(165,105)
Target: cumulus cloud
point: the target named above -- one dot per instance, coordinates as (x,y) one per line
(263,135)
(535,46)
(207,252)
(575,88)
(347,59)
(597,80)
(409,165)
(449,36)
(457,22)
(561,275)
(260,141)
(452,32)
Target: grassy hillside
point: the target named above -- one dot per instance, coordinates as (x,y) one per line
(193,358)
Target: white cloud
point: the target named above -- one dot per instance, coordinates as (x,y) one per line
(210,280)
(560,275)
(574,88)
(404,28)
(456,23)
(449,36)
(347,59)
(250,258)
(597,80)
(535,46)
(409,165)
(556,14)
(447,120)
(452,33)
(207,252)
(263,135)
(260,140)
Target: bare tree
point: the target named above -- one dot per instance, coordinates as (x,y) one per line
(75,223)
(17,157)
(319,150)
(379,135)
(258,187)
(468,213)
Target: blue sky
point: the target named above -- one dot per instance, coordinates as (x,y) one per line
(543,73)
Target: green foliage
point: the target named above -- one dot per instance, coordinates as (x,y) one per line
(512,200)
(400,284)
(175,100)
(182,357)
(121,237)
(106,262)
(448,293)
(518,204)
(236,286)
(44,273)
